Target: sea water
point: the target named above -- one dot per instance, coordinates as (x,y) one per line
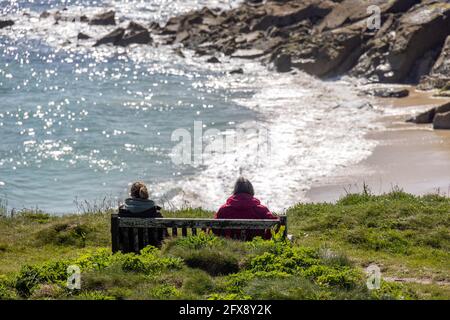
(81,123)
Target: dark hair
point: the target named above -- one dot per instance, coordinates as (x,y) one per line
(139,190)
(243,185)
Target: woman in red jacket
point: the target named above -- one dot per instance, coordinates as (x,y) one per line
(243,205)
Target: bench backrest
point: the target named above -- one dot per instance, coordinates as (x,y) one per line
(132,234)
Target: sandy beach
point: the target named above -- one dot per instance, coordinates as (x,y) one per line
(413,157)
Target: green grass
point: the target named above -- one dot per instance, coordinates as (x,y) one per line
(407,236)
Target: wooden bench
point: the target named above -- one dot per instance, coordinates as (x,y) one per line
(133,234)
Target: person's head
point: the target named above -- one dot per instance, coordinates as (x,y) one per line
(139,190)
(243,185)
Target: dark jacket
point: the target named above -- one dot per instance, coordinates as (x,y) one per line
(139,208)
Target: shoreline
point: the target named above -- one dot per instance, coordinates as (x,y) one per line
(414,158)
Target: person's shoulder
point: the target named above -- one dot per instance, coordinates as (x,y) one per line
(223,212)
(262,207)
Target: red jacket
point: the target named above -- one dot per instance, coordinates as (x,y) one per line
(245,206)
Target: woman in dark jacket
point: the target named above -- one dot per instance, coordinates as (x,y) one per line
(243,205)
(139,205)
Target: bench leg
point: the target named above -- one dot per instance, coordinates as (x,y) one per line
(115,237)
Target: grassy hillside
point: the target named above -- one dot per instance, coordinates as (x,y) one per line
(407,236)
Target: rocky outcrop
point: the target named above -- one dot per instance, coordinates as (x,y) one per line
(113,37)
(82,36)
(394,56)
(280,15)
(6,23)
(104,19)
(324,38)
(325,55)
(237,71)
(429,116)
(134,33)
(440,73)
(351,11)
(442,121)
(388,93)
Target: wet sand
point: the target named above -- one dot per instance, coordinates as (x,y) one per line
(415,158)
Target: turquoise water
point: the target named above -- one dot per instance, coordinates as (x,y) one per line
(78,123)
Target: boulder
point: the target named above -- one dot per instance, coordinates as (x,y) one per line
(388,92)
(83,36)
(213,60)
(439,77)
(6,23)
(133,26)
(83,18)
(137,37)
(428,116)
(283,62)
(424,117)
(45,15)
(104,19)
(237,71)
(112,37)
(135,33)
(442,121)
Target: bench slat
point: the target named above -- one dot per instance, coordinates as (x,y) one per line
(145,237)
(125,240)
(132,234)
(196,223)
(135,239)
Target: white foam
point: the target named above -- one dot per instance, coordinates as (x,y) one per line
(315,128)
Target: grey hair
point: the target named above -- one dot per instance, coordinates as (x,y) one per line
(243,185)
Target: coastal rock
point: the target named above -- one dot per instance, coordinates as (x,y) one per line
(237,71)
(45,15)
(350,11)
(288,13)
(444,92)
(283,62)
(63,16)
(139,37)
(428,116)
(439,77)
(325,55)
(112,37)
(442,121)
(104,19)
(325,38)
(83,36)
(391,57)
(424,117)
(6,23)
(213,60)
(388,93)
(135,33)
